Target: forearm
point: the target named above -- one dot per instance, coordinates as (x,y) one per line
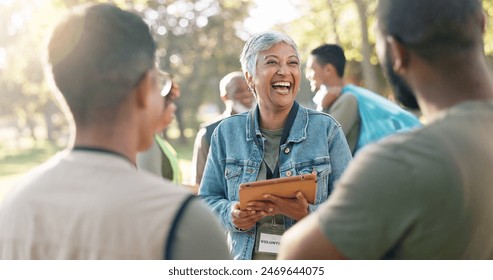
(215,196)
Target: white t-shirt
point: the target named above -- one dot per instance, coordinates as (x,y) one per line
(96,205)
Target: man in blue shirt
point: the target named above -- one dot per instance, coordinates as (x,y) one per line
(365,116)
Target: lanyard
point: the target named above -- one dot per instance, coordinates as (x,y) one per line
(284,136)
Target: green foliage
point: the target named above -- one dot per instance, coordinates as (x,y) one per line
(338,21)
(488,37)
(199,45)
(200,41)
(25,94)
(319,25)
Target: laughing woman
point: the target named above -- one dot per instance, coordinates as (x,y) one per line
(279,138)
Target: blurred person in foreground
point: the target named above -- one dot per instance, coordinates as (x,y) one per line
(90,201)
(364,115)
(161,159)
(425,194)
(278,138)
(238,99)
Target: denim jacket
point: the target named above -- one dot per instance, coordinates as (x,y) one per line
(316,142)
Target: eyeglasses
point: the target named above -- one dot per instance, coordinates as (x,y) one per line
(166,82)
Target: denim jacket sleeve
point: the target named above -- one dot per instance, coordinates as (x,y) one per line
(213,188)
(340,156)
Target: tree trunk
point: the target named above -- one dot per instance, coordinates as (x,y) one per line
(172,46)
(369,75)
(334,18)
(25,119)
(48,112)
(32,127)
(179,121)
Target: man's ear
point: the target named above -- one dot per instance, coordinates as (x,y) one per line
(329,70)
(484,22)
(144,90)
(399,54)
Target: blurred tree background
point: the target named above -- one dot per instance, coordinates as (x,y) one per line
(200,41)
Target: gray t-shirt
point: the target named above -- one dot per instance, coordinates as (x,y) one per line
(271,151)
(271,156)
(422,195)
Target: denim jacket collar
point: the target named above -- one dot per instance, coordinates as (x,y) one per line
(298,130)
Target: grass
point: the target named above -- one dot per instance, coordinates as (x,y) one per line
(18,161)
(15,162)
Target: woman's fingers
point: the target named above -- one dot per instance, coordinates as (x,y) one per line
(265,206)
(295,208)
(245,219)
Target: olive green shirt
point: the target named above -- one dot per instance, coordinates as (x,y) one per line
(421,195)
(345,111)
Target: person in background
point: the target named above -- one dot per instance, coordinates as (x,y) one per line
(424,194)
(238,99)
(90,201)
(279,138)
(365,116)
(162,159)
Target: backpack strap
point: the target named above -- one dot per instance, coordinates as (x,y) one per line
(168,248)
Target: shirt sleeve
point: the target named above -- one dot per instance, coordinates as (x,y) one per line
(340,156)
(199,235)
(213,187)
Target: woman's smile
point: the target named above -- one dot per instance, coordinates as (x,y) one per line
(282,87)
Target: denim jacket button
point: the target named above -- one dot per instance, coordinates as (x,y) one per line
(289,173)
(287,150)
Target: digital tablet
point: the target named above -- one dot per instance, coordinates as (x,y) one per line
(284,187)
